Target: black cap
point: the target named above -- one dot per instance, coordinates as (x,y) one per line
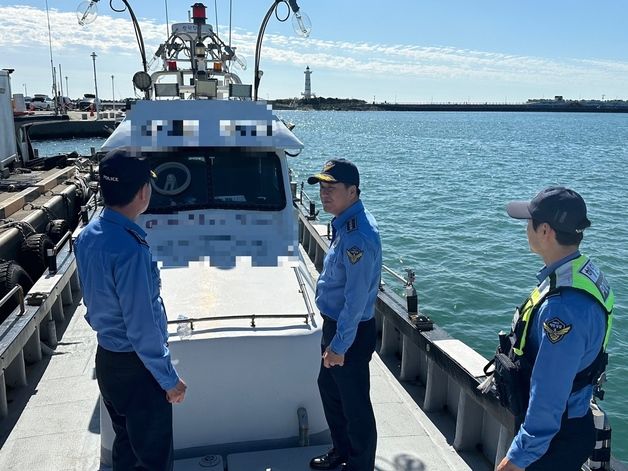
(120,168)
(563,209)
(122,175)
(337,171)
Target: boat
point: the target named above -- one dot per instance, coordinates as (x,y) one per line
(239,247)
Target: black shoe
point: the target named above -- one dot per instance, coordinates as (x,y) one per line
(329,460)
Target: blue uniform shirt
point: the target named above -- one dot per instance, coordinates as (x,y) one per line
(347,288)
(120,284)
(556,365)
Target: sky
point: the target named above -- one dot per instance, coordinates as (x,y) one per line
(405,51)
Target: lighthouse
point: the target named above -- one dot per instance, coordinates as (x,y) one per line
(307,94)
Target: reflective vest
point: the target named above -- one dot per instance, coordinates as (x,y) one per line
(580,274)
(513,363)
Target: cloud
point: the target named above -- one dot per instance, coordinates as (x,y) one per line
(25,27)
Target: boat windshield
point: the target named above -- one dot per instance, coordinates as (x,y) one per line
(226,178)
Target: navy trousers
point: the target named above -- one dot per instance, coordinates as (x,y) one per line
(570,447)
(345,392)
(140,414)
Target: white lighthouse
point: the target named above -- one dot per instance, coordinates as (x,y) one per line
(307,94)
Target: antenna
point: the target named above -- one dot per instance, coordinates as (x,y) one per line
(167,21)
(230,10)
(52,67)
(216,11)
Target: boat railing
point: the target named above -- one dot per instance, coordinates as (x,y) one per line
(449,370)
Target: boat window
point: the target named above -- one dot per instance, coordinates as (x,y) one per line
(216,178)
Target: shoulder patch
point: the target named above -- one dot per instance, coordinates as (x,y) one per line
(137,236)
(594,274)
(556,329)
(352,224)
(354,254)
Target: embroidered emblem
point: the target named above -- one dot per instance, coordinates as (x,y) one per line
(328,166)
(556,329)
(352,224)
(354,254)
(594,274)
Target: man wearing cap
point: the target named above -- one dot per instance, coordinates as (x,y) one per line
(558,341)
(345,295)
(120,284)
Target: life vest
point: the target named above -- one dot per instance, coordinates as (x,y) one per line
(513,363)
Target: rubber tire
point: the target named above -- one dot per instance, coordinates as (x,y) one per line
(56,229)
(32,254)
(12,274)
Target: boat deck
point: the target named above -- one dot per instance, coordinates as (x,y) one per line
(54,422)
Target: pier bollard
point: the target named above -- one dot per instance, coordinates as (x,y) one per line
(32,349)
(66,295)
(468,423)
(4,406)
(57,310)
(16,372)
(51,333)
(410,360)
(75,283)
(503,444)
(435,387)
(318,258)
(390,339)
(379,319)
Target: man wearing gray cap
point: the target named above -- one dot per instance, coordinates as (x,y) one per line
(346,292)
(552,359)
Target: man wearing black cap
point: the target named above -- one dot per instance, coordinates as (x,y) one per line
(120,284)
(558,342)
(346,292)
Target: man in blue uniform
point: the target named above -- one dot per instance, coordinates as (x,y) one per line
(120,285)
(558,340)
(345,295)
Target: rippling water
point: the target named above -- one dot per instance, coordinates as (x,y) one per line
(438,182)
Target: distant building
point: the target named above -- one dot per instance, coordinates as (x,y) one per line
(307,94)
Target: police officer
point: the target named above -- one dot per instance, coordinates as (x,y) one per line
(345,295)
(120,285)
(559,338)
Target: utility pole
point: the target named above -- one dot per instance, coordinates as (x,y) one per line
(67,89)
(93,55)
(62,104)
(25,92)
(113,93)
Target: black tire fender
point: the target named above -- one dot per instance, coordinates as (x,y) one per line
(12,274)
(56,229)
(33,254)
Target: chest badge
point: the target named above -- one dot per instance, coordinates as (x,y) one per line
(556,329)
(354,254)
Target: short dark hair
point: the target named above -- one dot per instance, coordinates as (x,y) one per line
(563,238)
(357,188)
(121,196)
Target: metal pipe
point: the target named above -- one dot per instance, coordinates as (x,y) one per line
(396,275)
(20,296)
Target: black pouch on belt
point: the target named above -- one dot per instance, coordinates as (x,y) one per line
(511,388)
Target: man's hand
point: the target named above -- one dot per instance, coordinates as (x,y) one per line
(332,359)
(176,394)
(507,465)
